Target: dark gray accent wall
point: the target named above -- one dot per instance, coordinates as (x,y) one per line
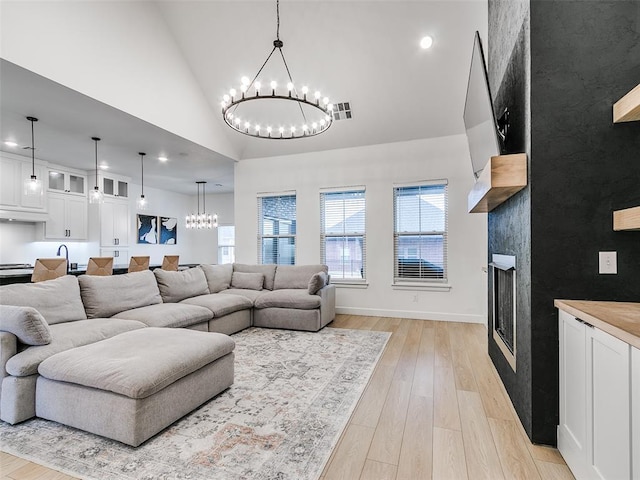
(584,56)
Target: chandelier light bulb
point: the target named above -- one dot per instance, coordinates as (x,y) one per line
(257,85)
(330,107)
(322,122)
(281,129)
(305,90)
(269,130)
(243,88)
(314,125)
(245,80)
(226,97)
(305,128)
(223,104)
(327,118)
(247,125)
(325,100)
(238,120)
(257,127)
(274,85)
(289,86)
(317,95)
(232,92)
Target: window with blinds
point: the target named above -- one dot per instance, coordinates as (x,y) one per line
(277,229)
(420,232)
(343,234)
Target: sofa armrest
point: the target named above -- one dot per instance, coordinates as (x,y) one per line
(327,304)
(8,348)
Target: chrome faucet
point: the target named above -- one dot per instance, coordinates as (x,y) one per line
(66,250)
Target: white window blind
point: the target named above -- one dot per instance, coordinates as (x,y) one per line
(277,229)
(420,232)
(226,244)
(343,234)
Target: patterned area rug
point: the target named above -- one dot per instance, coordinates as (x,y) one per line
(292,397)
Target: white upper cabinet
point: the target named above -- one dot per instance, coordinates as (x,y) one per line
(63,181)
(14,173)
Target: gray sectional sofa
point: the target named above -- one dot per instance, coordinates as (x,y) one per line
(41,320)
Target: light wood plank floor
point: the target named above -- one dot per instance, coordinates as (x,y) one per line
(434,408)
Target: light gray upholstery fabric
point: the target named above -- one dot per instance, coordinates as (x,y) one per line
(137,363)
(269,272)
(287,318)
(137,419)
(327,304)
(66,336)
(106,296)
(18,402)
(318,281)
(26,323)
(296,276)
(200,327)
(247,281)
(250,294)
(172,315)
(220,303)
(176,286)
(8,348)
(288,298)
(57,300)
(218,276)
(231,323)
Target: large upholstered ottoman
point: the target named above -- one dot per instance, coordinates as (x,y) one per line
(131,386)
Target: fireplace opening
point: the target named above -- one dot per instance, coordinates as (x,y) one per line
(504,305)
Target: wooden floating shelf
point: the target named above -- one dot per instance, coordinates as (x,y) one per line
(627,219)
(627,109)
(503,177)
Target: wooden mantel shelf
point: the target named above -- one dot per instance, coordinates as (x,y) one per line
(627,109)
(627,219)
(503,177)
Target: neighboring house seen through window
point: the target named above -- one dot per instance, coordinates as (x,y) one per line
(420,232)
(226,244)
(343,234)
(277,229)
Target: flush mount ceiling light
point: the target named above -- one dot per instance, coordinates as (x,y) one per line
(96,195)
(202,220)
(318,107)
(142,202)
(426,42)
(33,186)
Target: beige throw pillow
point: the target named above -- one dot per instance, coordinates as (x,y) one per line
(248,281)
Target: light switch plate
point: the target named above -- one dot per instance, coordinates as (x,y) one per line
(608,263)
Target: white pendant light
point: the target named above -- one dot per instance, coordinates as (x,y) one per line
(142,202)
(201,221)
(33,186)
(96,196)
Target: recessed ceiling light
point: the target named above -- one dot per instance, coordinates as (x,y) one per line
(9,143)
(104,167)
(426,42)
(163,159)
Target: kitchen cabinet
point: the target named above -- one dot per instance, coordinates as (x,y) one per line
(67,217)
(120,255)
(114,223)
(594,434)
(14,172)
(114,185)
(65,181)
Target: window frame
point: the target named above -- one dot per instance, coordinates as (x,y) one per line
(262,236)
(351,235)
(436,283)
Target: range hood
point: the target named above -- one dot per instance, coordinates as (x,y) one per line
(22,216)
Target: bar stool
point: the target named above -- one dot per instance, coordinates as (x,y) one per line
(170,262)
(48,269)
(102,266)
(138,264)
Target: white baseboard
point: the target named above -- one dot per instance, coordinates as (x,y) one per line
(419,315)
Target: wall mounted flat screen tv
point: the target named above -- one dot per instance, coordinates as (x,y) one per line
(479,118)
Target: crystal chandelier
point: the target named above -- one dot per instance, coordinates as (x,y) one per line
(96,196)
(317,107)
(33,186)
(201,220)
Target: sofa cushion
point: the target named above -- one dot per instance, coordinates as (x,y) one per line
(269,272)
(220,304)
(172,315)
(288,298)
(296,276)
(108,295)
(65,336)
(176,286)
(138,364)
(26,323)
(318,281)
(248,281)
(218,276)
(57,300)
(251,295)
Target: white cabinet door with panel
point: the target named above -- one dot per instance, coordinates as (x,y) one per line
(67,217)
(120,255)
(114,223)
(114,185)
(65,181)
(14,173)
(10,182)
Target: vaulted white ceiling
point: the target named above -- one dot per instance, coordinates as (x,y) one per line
(363,52)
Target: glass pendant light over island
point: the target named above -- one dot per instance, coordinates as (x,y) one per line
(202,220)
(142,202)
(33,186)
(96,196)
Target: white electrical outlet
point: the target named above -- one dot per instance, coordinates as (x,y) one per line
(608,263)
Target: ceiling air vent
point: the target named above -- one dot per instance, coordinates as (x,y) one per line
(342,111)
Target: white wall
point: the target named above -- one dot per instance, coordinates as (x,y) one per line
(377,168)
(119,53)
(21,242)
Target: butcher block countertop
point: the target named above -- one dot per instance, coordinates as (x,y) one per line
(620,319)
